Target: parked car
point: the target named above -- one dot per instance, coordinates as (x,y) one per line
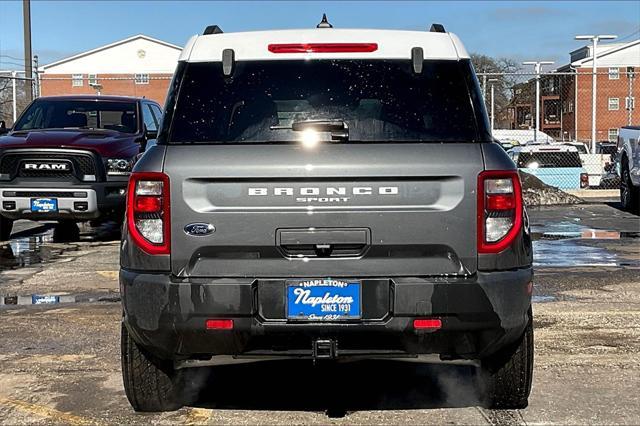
(628,167)
(554,164)
(68,159)
(304,201)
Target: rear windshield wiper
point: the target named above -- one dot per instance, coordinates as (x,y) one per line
(338,128)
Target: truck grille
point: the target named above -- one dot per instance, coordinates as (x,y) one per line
(81,164)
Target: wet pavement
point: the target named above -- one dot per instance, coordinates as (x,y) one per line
(59,342)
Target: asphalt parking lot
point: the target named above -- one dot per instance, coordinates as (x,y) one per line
(60,360)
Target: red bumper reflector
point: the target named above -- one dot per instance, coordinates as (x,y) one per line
(219,324)
(323,47)
(427,324)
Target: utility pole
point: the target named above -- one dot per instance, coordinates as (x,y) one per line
(537,67)
(594,39)
(28,68)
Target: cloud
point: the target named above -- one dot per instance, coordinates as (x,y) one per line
(527,12)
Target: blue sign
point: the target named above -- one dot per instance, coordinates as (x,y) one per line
(44,205)
(323,300)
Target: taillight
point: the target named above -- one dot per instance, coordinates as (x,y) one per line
(148,215)
(584,180)
(323,47)
(499,209)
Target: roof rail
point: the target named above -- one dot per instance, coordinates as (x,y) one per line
(437,28)
(212,29)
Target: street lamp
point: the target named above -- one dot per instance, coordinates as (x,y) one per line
(537,67)
(492,81)
(594,39)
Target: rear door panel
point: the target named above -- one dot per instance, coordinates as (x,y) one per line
(369,210)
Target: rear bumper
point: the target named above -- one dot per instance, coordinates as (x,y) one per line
(75,202)
(479,315)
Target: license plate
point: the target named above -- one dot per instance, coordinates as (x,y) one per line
(44,205)
(324,300)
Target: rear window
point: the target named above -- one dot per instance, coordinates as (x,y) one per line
(535,160)
(377,100)
(80,114)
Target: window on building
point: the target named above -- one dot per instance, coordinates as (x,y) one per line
(630,103)
(93,79)
(76,80)
(614,73)
(141,78)
(613,135)
(614,104)
(570,106)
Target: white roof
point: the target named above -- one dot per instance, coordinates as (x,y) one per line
(613,54)
(136,54)
(392,44)
(544,148)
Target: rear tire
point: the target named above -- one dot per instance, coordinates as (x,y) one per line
(6,225)
(150,384)
(509,373)
(629,194)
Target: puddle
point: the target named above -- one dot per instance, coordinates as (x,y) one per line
(55,299)
(566,244)
(27,251)
(543,299)
(45,246)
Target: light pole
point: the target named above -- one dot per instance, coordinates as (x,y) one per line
(492,81)
(594,39)
(537,66)
(14,75)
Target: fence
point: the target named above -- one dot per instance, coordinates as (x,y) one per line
(558,116)
(13,98)
(567,158)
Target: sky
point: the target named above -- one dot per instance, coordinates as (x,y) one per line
(520,30)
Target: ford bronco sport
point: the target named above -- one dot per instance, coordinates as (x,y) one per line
(325,194)
(68,158)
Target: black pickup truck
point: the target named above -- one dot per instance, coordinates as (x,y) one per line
(68,158)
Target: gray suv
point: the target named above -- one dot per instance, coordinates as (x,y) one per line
(326,195)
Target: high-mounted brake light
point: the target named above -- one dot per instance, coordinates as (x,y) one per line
(499,209)
(323,47)
(148,214)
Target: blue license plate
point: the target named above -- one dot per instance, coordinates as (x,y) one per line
(324,300)
(44,205)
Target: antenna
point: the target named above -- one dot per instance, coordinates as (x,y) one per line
(324,23)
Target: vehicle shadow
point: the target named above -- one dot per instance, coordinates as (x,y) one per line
(336,388)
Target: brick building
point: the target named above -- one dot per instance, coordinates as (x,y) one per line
(565,95)
(618,87)
(136,66)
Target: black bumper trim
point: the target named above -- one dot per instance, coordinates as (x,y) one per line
(480,314)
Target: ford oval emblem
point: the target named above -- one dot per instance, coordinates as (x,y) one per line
(199,229)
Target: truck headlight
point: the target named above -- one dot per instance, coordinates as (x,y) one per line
(119,166)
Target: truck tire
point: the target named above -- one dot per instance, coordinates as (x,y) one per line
(629,194)
(509,374)
(6,225)
(150,384)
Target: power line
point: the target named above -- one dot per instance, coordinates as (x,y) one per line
(11,57)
